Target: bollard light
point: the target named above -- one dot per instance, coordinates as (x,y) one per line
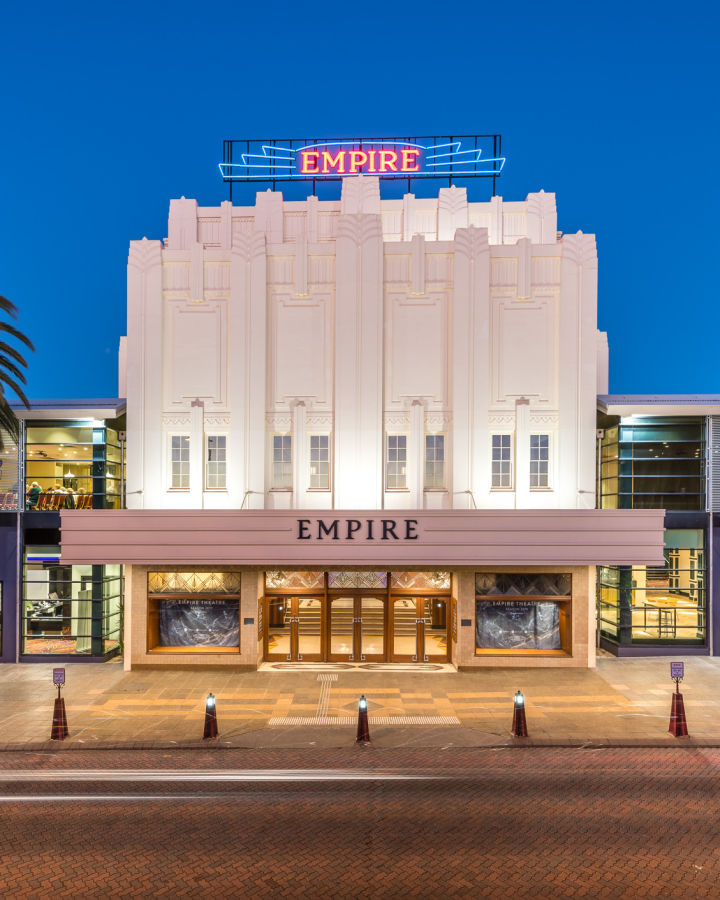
(211,728)
(519,724)
(363,729)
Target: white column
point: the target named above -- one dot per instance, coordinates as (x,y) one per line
(299,454)
(522,453)
(416,455)
(197,454)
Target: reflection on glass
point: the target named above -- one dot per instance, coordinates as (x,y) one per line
(309,626)
(279,614)
(341,626)
(435,614)
(405,627)
(663,603)
(373,626)
(69,609)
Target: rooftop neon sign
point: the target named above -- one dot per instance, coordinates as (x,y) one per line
(333,159)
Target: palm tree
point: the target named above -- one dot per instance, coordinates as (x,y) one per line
(11,374)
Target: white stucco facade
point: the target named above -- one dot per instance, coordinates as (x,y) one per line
(358,319)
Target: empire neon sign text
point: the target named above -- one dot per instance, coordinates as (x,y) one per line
(355,162)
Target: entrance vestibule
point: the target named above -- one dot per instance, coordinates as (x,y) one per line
(351,624)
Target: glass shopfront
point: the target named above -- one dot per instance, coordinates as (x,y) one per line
(356,616)
(194,612)
(70,610)
(518,613)
(72,465)
(657,604)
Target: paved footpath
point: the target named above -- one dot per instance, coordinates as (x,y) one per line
(620,702)
(497,823)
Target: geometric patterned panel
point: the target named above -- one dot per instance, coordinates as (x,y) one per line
(508,584)
(285,581)
(193,582)
(420,581)
(366,580)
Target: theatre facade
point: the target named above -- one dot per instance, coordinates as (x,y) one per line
(362,431)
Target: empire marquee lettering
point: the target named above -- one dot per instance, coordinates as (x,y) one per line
(359,162)
(365,530)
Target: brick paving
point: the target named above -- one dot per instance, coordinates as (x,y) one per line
(541,823)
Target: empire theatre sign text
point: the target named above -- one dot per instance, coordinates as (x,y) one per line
(357,529)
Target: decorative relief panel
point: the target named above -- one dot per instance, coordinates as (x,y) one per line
(175,421)
(327,225)
(144,254)
(503,272)
(367,580)
(294,225)
(392,224)
(540,419)
(242,225)
(209,231)
(299,344)
(438,267)
(524,351)
(397,268)
(217,276)
(546,270)
(176,276)
(287,581)
(397,420)
(279,422)
(321,269)
(420,581)
(280,270)
(438,421)
(514,227)
(193,582)
(500,421)
(194,352)
(417,340)
(217,421)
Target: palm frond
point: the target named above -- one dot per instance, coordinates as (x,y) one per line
(15,387)
(10,329)
(10,366)
(8,306)
(8,422)
(11,351)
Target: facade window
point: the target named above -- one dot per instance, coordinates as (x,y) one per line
(320,462)
(396,462)
(70,609)
(502,461)
(651,604)
(522,612)
(653,463)
(70,465)
(434,461)
(282,461)
(216,464)
(180,461)
(539,461)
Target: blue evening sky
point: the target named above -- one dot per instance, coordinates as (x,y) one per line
(109,110)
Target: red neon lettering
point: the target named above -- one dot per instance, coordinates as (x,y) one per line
(329,164)
(408,157)
(358,158)
(371,161)
(306,158)
(388,161)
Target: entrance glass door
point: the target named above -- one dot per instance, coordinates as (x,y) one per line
(295,627)
(357,629)
(419,629)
